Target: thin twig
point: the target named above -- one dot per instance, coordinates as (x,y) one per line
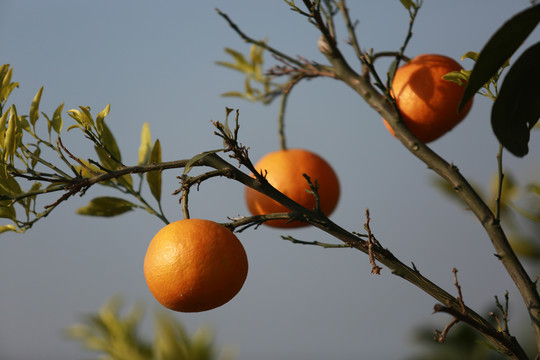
(315,243)
(375,269)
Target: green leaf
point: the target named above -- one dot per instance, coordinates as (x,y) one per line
(470,55)
(237,56)
(408,4)
(6,86)
(3,122)
(459,77)
(74,126)
(57,119)
(107,139)
(9,227)
(234,94)
(196,158)
(82,117)
(7,210)
(146,144)
(10,139)
(154,177)
(106,206)
(517,107)
(3,72)
(101,116)
(500,48)
(256,54)
(34,107)
(87,116)
(8,185)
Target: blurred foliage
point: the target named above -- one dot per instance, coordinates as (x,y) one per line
(524,240)
(116,337)
(252,68)
(463,342)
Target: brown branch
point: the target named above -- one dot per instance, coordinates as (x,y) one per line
(448,172)
(440,336)
(375,269)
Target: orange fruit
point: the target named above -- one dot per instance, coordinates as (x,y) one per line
(428,104)
(195,265)
(284,170)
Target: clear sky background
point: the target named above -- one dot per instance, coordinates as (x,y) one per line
(153,61)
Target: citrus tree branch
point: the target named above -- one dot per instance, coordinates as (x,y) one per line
(448,172)
(502,341)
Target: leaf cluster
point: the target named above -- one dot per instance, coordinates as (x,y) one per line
(25,155)
(252,68)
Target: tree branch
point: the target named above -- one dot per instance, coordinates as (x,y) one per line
(452,175)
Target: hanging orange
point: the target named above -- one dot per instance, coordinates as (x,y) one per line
(284,170)
(195,265)
(428,104)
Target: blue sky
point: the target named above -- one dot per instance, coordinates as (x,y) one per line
(153,61)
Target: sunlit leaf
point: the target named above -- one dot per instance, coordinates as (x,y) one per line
(8,227)
(101,116)
(56,121)
(500,48)
(6,87)
(238,67)
(233,94)
(3,72)
(459,77)
(237,56)
(146,144)
(75,126)
(88,170)
(106,206)
(87,116)
(408,4)
(82,117)
(10,140)
(517,107)
(3,122)
(154,177)
(34,107)
(23,124)
(470,55)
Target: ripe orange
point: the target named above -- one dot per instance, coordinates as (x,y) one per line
(195,265)
(284,170)
(428,103)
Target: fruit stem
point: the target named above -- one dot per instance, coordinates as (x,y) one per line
(281,119)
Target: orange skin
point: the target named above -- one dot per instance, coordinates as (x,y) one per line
(284,170)
(195,265)
(428,104)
